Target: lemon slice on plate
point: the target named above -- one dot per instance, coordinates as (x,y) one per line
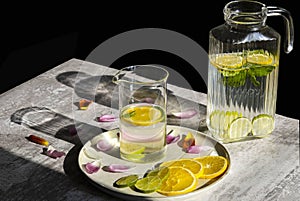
(194,166)
(180,181)
(213,166)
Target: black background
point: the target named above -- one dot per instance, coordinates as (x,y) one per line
(37,38)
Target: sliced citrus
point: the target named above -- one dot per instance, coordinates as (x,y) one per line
(125,181)
(194,166)
(262,124)
(220,120)
(213,166)
(229,60)
(143,115)
(148,184)
(180,181)
(161,172)
(239,127)
(260,57)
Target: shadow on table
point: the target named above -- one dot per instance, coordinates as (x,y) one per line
(47,121)
(23,179)
(103,91)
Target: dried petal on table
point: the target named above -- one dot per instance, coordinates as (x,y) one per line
(106,118)
(185,114)
(84,104)
(38,140)
(53,153)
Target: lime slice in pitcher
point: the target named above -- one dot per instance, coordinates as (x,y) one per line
(221,119)
(262,124)
(239,127)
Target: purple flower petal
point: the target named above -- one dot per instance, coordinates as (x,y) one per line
(53,153)
(104,145)
(147,100)
(117,168)
(196,149)
(185,114)
(106,118)
(172,139)
(92,167)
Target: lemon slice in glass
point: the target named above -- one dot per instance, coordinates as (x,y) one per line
(239,127)
(144,115)
(262,124)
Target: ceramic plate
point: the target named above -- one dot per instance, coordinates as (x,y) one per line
(105,180)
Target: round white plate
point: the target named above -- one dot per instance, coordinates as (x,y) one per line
(105,180)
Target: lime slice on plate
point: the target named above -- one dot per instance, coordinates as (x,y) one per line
(161,172)
(148,184)
(262,124)
(239,127)
(125,181)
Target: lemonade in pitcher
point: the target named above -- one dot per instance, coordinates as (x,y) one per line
(244,104)
(243,71)
(143,128)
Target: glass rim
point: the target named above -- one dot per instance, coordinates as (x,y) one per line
(132,67)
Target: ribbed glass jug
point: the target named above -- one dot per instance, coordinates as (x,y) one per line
(243,71)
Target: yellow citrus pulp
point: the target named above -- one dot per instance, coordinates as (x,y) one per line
(213,166)
(194,166)
(145,115)
(180,181)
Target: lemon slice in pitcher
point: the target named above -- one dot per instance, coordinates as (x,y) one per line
(260,57)
(229,60)
(143,115)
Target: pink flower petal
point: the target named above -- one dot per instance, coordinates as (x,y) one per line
(106,118)
(172,138)
(147,100)
(185,114)
(52,152)
(117,168)
(92,167)
(196,149)
(104,145)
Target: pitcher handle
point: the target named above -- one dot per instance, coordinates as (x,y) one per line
(289,26)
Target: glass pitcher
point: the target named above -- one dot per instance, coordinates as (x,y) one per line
(142,112)
(243,71)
